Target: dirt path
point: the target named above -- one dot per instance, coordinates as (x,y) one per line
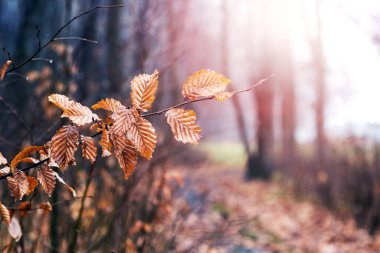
(217,212)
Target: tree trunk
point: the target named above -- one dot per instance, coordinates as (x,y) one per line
(259,165)
(320,87)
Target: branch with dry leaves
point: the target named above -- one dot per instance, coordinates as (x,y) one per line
(125,131)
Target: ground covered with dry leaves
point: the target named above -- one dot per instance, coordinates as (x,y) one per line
(216,211)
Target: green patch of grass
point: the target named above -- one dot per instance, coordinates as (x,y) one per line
(221,208)
(226,153)
(248,233)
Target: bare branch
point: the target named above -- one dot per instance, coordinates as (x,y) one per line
(42,46)
(205,98)
(76,38)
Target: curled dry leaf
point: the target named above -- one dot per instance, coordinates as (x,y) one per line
(63,145)
(143,136)
(66,185)
(3,160)
(4,68)
(61,101)
(46,177)
(88,148)
(204,83)
(79,114)
(105,142)
(46,206)
(182,123)
(5,214)
(4,171)
(32,183)
(123,121)
(23,154)
(109,104)
(125,153)
(14,229)
(18,184)
(24,208)
(221,96)
(143,91)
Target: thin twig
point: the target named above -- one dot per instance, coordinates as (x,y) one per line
(76,38)
(20,119)
(205,98)
(77,225)
(42,46)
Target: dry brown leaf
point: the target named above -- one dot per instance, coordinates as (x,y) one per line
(204,83)
(47,178)
(109,104)
(4,171)
(46,207)
(4,68)
(105,142)
(5,214)
(29,160)
(125,153)
(18,184)
(223,95)
(79,114)
(123,121)
(23,154)
(143,91)
(24,208)
(63,145)
(88,148)
(32,183)
(14,229)
(3,160)
(61,101)
(144,137)
(182,123)
(68,187)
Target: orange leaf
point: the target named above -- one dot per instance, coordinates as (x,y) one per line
(79,114)
(61,101)
(24,153)
(66,185)
(63,145)
(47,178)
(105,142)
(143,136)
(18,184)
(182,123)
(32,183)
(223,95)
(144,89)
(125,153)
(5,214)
(123,121)
(204,83)
(24,207)
(46,207)
(88,148)
(4,68)
(109,104)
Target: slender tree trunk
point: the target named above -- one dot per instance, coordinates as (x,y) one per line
(115,65)
(320,87)
(239,116)
(260,161)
